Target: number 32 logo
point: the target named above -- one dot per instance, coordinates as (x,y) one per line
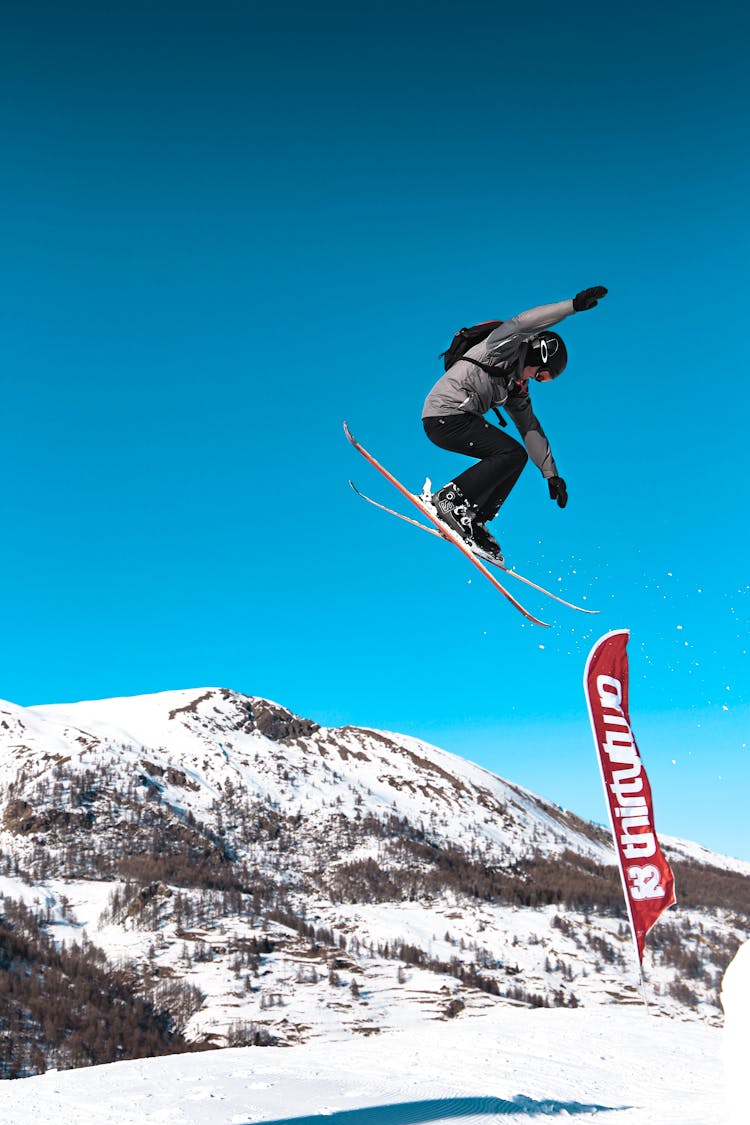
(645,882)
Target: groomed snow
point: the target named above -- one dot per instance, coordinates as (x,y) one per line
(613,1066)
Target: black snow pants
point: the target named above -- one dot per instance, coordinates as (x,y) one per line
(487,484)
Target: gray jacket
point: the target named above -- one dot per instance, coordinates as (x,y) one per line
(468,389)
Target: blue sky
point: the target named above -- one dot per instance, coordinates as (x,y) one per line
(225,230)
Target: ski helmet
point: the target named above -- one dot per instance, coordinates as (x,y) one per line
(547,351)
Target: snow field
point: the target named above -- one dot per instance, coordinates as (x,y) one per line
(611,1066)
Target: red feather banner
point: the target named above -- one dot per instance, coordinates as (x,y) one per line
(646,876)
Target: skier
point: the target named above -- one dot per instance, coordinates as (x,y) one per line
(496,372)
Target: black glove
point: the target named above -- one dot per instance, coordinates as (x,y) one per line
(558,491)
(588,298)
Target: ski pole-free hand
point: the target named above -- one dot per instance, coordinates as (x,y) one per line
(558,491)
(588,298)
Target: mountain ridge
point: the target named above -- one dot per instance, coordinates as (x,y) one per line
(291,880)
(279,724)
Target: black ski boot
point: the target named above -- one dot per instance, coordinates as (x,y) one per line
(455,511)
(485,542)
(452,507)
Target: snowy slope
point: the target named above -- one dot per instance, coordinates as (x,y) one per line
(612,1066)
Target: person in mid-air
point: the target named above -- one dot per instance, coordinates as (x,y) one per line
(496,372)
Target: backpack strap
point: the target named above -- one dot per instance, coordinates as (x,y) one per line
(490,370)
(478,363)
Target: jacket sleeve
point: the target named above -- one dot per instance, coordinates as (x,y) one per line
(524,325)
(530,428)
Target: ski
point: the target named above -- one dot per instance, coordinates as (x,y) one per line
(446,532)
(499,565)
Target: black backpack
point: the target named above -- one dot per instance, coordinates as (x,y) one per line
(466,338)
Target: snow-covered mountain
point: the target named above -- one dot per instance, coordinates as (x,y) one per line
(298,881)
(199,750)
